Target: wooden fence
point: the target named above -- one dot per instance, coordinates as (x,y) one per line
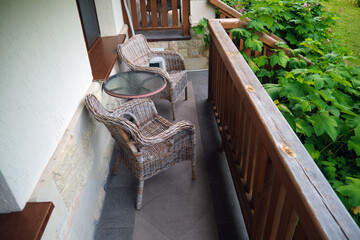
(281,191)
(153,15)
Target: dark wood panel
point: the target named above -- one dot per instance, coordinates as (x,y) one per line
(103,56)
(28,224)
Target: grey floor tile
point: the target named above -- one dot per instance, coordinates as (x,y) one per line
(118,210)
(144,230)
(204,229)
(123,178)
(154,187)
(174,213)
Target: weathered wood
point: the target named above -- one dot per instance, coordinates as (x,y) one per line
(298,188)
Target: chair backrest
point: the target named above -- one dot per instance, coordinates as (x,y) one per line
(119,127)
(135,51)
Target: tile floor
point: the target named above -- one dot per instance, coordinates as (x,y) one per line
(174,206)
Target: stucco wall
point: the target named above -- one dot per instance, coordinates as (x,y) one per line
(45,73)
(109,16)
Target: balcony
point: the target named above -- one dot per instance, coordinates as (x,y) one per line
(256,163)
(174,206)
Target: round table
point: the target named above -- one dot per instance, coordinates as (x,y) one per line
(134,84)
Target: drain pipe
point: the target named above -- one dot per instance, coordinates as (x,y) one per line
(129,17)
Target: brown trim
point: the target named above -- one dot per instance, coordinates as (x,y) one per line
(29,224)
(103,55)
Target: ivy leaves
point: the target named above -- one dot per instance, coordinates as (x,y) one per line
(323,122)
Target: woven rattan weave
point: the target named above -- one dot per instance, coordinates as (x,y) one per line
(149,144)
(136,54)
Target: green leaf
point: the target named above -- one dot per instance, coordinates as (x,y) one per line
(315,154)
(268,20)
(272,89)
(262,73)
(257,25)
(323,122)
(240,33)
(253,43)
(291,38)
(304,127)
(351,190)
(354,143)
(279,58)
(261,61)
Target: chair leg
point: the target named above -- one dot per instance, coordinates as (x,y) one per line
(114,171)
(193,172)
(186,94)
(140,194)
(173,110)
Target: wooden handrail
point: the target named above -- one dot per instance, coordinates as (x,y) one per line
(281,191)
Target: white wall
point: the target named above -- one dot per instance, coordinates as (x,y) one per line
(110,16)
(45,73)
(200,9)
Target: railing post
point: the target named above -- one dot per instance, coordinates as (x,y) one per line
(185,16)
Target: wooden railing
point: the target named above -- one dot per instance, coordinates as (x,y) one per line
(281,191)
(153,15)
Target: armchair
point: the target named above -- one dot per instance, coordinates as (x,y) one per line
(137,55)
(149,143)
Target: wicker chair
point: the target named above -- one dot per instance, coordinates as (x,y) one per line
(149,143)
(137,54)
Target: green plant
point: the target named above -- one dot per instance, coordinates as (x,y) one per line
(200,30)
(320,101)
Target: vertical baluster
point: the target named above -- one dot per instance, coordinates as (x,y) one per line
(244,140)
(252,160)
(241,45)
(276,198)
(154,20)
(248,52)
(144,22)
(185,16)
(234,108)
(238,129)
(288,220)
(300,232)
(134,15)
(164,13)
(175,13)
(264,186)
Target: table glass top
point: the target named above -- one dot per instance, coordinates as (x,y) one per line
(134,84)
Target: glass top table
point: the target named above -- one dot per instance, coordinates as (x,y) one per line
(134,84)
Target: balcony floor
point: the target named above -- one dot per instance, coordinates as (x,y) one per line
(174,206)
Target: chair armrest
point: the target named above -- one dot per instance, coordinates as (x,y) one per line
(174,61)
(175,129)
